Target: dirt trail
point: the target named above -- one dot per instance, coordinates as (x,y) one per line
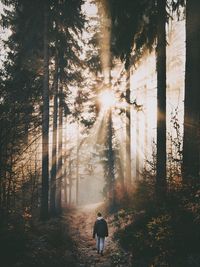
(81,223)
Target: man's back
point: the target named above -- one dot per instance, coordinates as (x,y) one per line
(101,228)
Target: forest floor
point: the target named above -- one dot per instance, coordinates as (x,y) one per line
(61,242)
(81,223)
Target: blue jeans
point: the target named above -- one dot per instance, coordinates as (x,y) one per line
(100,243)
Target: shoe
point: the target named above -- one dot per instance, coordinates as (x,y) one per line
(98,251)
(102,253)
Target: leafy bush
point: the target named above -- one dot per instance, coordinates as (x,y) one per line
(167,234)
(43,245)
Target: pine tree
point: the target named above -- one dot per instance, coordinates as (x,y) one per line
(161,99)
(45,119)
(191,148)
(20,75)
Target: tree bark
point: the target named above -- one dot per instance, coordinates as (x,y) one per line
(45,124)
(111,162)
(161,99)
(54,143)
(60,158)
(70,180)
(191,151)
(77,166)
(128,134)
(137,147)
(65,164)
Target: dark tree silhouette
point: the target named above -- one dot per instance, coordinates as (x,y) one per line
(54,141)
(45,118)
(161,98)
(191,145)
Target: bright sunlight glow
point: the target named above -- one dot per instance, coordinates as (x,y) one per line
(107,99)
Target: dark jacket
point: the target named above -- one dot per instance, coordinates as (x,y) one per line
(100,228)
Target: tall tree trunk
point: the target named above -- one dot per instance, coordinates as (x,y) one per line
(128,133)
(9,182)
(60,158)
(1,167)
(145,129)
(70,180)
(3,177)
(45,124)
(35,182)
(191,151)
(54,143)
(161,99)
(77,166)
(138,140)
(111,174)
(65,163)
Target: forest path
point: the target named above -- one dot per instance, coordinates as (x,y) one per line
(81,223)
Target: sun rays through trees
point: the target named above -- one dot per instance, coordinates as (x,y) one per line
(99,103)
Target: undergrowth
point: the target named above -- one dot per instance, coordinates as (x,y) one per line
(166,234)
(41,244)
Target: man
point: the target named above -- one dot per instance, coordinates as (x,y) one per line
(100,232)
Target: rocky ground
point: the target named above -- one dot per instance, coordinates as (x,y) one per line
(81,223)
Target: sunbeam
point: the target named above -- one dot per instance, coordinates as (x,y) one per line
(107,99)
